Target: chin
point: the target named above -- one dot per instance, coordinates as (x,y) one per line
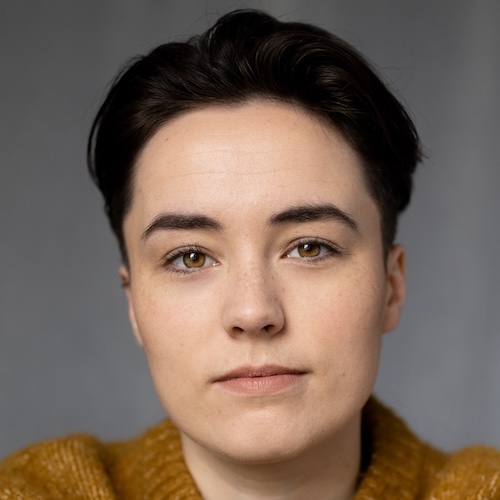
(265,442)
(261,452)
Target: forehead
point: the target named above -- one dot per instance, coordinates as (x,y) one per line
(244,163)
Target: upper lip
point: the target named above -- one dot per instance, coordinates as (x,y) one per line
(258,371)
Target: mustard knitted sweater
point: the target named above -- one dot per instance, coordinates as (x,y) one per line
(152,467)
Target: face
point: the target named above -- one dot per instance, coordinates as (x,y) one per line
(256,283)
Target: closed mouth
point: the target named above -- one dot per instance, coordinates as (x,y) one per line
(258,372)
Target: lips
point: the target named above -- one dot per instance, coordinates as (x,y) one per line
(262,380)
(262,371)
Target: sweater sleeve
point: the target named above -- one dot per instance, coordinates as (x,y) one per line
(73,467)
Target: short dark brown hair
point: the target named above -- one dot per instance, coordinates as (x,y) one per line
(248,55)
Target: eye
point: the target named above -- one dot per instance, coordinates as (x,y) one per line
(309,249)
(194,259)
(312,250)
(185,260)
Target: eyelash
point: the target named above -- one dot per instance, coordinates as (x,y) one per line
(167,262)
(331,251)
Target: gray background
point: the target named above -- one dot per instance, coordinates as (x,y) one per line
(68,361)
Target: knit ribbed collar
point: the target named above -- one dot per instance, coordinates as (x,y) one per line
(395,456)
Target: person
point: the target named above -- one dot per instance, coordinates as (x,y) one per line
(253,177)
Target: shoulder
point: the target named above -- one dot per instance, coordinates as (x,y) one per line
(82,467)
(56,468)
(402,466)
(472,472)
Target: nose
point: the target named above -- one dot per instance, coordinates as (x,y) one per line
(252,304)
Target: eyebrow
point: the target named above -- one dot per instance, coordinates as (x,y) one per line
(299,213)
(313,212)
(181,221)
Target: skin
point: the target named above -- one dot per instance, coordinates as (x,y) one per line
(259,296)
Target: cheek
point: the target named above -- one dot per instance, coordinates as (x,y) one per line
(345,320)
(353,306)
(174,327)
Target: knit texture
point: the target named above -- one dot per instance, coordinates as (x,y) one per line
(399,466)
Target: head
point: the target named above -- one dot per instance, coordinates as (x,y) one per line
(253,177)
(249,55)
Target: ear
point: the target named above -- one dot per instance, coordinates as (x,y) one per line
(125,279)
(396,287)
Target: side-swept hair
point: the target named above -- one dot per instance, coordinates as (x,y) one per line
(244,56)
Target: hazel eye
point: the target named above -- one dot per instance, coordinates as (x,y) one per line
(313,250)
(184,260)
(194,259)
(309,249)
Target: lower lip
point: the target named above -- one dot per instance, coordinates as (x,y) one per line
(261,385)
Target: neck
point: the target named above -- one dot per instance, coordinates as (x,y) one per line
(327,471)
